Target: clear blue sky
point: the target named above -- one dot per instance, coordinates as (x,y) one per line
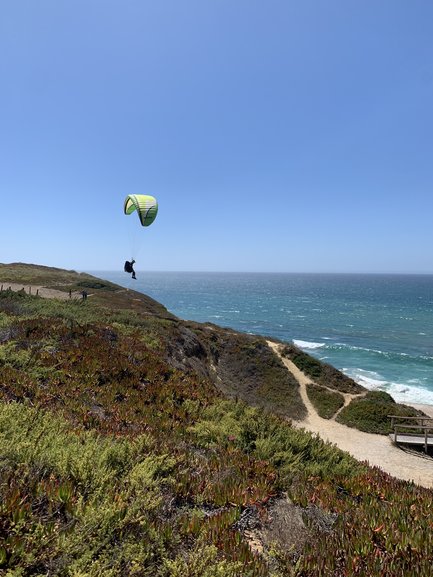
(277,135)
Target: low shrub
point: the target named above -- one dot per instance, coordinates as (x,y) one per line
(370,413)
(320,372)
(69,494)
(97,285)
(249,370)
(269,438)
(325,402)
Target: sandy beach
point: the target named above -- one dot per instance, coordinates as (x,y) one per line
(427,409)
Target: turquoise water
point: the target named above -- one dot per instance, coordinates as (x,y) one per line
(376,328)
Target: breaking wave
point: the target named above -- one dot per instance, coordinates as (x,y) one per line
(308,345)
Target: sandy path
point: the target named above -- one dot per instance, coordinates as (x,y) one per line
(40,291)
(378,450)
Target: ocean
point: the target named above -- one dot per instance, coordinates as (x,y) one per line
(377,329)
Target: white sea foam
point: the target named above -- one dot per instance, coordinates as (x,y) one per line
(402,393)
(307,344)
(388,354)
(369,379)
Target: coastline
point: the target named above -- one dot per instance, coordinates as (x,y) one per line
(376,450)
(348,321)
(44,292)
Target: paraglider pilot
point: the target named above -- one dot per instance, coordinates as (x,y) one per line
(147,209)
(129,267)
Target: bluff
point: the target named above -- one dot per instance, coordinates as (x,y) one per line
(135,443)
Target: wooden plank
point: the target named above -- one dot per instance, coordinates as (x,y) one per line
(411,439)
(423,427)
(409,418)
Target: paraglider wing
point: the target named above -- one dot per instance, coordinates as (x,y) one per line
(146,207)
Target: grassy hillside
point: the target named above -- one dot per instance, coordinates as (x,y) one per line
(132,443)
(102,292)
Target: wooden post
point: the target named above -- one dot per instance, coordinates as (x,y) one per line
(425,441)
(395,429)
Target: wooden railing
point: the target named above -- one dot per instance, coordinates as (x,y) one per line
(408,431)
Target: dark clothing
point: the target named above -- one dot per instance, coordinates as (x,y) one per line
(130,268)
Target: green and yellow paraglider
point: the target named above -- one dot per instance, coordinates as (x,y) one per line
(147,209)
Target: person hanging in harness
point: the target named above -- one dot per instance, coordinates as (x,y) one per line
(129,267)
(147,209)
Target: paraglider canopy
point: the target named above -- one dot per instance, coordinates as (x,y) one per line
(146,207)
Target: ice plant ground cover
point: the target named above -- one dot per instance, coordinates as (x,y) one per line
(120,456)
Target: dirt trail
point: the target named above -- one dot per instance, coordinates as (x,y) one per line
(378,450)
(41,291)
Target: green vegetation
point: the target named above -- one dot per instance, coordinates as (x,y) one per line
(76,503)
(263,437)
(370,413)
(92,284)
(249,370)
(325,402)
(382,528)
(321,373)
(103,293)
(121,455)
(38,275)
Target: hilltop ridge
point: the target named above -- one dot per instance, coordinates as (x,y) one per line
(103,291)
